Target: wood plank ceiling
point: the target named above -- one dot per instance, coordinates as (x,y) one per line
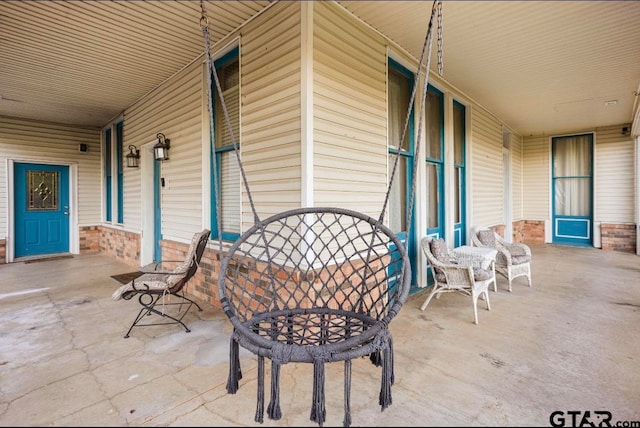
(542,66)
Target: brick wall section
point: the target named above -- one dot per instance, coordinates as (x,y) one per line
(533,232)
(523,231)
(204,283)
(3,251)
(499,229)
(618,237)
(90,239)
(121,245)
(518,231)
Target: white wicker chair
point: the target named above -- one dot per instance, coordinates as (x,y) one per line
(513,259)
(452,277)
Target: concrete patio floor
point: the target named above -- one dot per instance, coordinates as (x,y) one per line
(569,343)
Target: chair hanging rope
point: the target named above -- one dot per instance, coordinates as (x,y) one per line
(314,285)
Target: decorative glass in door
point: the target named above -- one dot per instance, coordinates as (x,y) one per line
(42,190)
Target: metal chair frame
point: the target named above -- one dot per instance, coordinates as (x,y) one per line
(156,300)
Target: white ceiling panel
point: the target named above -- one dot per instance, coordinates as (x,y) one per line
(84,62)
(542,67)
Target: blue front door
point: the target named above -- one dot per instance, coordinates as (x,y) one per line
(41,209)
(572,158)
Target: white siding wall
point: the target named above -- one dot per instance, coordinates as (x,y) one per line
(614,176)
(350,135)
(175,109)
(23,140)
(517,203)
(270,126)
(535,158)
(486,169)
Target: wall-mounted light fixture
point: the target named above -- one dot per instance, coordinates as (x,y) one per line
(161,149)
(132,157)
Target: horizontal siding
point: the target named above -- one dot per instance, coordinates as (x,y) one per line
(614,176)
(486,169)
(175,109)
(30,141)
(535,175)
(270,126)
(350,134)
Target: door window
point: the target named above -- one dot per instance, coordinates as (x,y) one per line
(42,190)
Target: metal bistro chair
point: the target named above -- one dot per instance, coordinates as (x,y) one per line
(156,288)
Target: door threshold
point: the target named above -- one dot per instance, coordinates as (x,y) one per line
(43,257)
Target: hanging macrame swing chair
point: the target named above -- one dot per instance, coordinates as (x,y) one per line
(313,285)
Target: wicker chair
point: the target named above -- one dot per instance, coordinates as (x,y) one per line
(449,276)
(513,259)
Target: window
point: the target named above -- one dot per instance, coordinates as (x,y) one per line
(400,83)
(459,213)
(120,173)
(458,158)
(228,189)
(400,87)
(113,159)
(107,174)
(434,162)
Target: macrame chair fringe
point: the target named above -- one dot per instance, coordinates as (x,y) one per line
(347,393)
(273,411)
(391,360)
(376,358)
(387,378)
(318,410)
(315,285)
(235,373)
(260,401)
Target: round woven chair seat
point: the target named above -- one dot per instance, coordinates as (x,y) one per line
(311,332)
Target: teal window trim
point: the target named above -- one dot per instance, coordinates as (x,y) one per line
(120,181)
(215,155)
(107,174)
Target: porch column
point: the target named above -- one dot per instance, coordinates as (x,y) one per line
(306,107)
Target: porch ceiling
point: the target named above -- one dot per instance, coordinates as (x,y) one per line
(542,67)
